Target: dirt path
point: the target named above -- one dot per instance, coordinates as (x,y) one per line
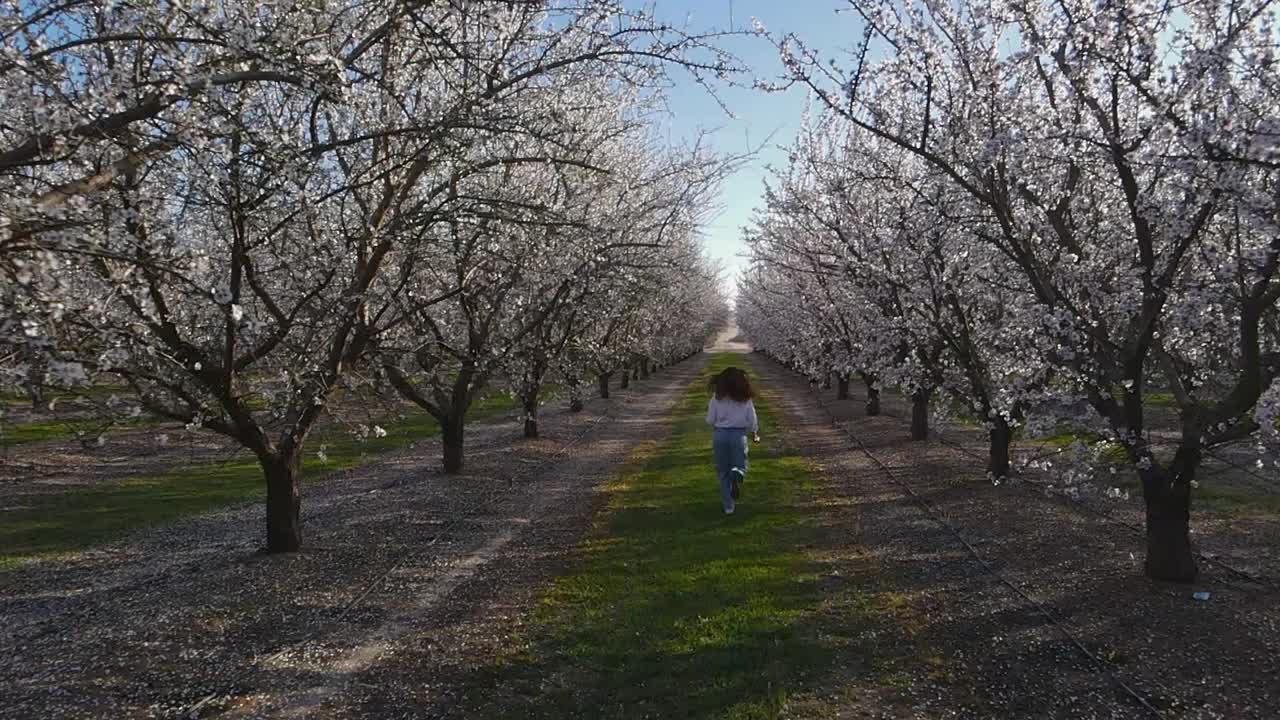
(730,340)
(982,649)
(409,577)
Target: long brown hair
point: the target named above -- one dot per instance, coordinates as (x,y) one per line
(732,383)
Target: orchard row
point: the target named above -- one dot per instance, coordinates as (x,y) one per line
(238,210)
(1042,213)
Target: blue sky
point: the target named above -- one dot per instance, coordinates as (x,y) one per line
(757,117)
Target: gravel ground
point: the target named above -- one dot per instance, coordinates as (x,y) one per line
(414,582)
(981,649)
(1247,541)
(409,577)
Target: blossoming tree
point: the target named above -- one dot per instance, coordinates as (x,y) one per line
(1118,161)
(225,206)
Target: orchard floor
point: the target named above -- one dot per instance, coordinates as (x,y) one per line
(1049,616)
(590,574)
(189,620)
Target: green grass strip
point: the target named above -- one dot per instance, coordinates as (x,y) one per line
(41,526)
(14,434)
(675,609)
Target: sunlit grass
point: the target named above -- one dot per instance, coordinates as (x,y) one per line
(675,609)
(14,434)
(1109,451)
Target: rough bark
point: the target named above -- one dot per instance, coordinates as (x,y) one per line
(452,431)
(576,403)
(530,415)
(920,415)
(644,369)
(36,393)
(1169,553)
(35,382)
(998,462)
(1167,494)
(284,503)
(873,395)
(604,384)
(842,388)
(1166,490)
(626,379)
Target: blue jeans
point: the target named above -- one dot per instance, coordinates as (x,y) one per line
(730,448)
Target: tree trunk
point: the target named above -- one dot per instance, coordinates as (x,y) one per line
(626,379)
(35,382)
(826,381)
(842,388)
(452,430)
(604,384)
(38,404)
(1168,501)
(284,503)
(873,396)
(1169,555)
(531,416)
(644,369)
(920,414)
(575,397)
(998,464)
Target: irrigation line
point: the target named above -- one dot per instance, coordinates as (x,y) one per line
(419,549)
(1248,471)
(1044,490)
(309,514)
(933,514)
(405,558)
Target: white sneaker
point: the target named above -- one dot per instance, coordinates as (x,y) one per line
(728,511)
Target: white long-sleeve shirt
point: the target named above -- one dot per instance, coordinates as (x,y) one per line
(727,413)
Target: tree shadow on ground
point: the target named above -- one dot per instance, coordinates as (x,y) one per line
(850,601)
(674,610)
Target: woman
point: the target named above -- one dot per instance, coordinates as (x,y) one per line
(732,414)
